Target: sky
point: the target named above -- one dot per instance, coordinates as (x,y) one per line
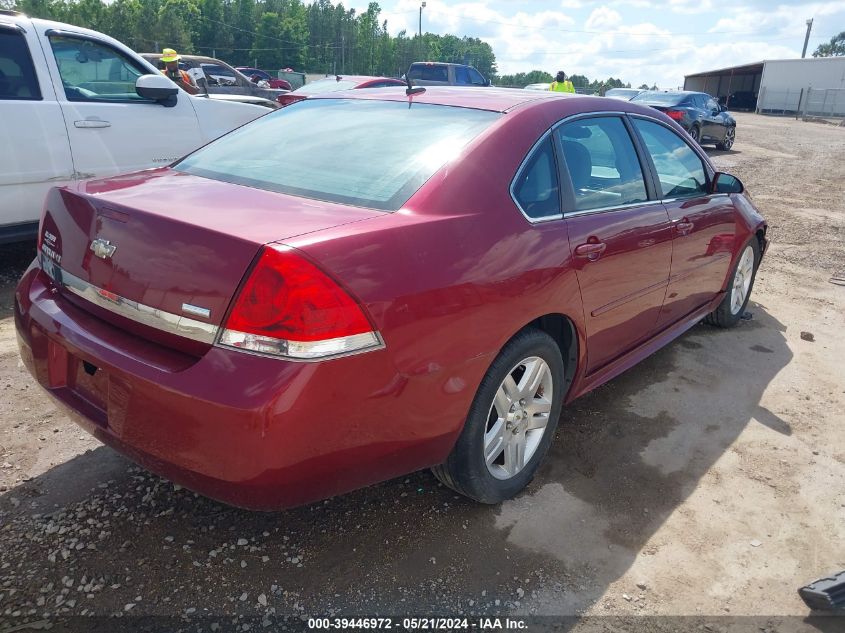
(638,41)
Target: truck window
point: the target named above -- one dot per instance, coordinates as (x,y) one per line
(429,72)
(93,71)
(18,80)
(476,78)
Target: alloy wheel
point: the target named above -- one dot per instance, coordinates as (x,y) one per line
(742,279)
(730,135)
(694,133)
(518,417)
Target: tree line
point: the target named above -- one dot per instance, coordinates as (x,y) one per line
(520,80)
(316,37)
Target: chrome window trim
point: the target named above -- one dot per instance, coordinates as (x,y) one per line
(620,207)
(522,166)
(547,133)
(132,310)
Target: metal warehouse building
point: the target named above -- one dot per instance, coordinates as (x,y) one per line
(814,86)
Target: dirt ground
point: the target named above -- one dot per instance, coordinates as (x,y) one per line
(697,491)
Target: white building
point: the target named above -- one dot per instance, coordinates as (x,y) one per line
(815,85)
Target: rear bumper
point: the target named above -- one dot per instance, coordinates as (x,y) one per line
(251,431)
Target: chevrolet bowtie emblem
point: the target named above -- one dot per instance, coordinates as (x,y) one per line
(103,248)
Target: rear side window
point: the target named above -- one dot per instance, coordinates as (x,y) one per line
(536,188)
(679,169)
(18,80)
(426,72)
(92,71)
(372,154)
(602,163)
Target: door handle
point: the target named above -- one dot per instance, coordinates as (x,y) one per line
(91,123)
(590,250)
(684,227)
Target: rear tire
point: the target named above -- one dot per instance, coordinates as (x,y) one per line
(695,133)
(741,283)
(514,413)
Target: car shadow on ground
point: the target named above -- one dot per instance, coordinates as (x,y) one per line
(712,152)
(625,457)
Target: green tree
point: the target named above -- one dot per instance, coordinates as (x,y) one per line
(834,48)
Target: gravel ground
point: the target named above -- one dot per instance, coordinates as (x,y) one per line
(697,491)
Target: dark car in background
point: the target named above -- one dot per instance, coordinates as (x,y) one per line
(697,112)
(623,94)
(442,74)
(256,74)
(336,84)
(742,100)
(218,76)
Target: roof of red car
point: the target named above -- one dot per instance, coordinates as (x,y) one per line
(495,99)
(358,79)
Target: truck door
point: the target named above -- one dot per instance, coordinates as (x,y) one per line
(111,128)
(35,151)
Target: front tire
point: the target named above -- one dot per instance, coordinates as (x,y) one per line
(728,142)
(741,282)
(511,421)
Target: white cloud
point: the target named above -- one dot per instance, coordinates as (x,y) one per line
(603,18)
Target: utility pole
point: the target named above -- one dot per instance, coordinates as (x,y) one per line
(807,37)
(422,6)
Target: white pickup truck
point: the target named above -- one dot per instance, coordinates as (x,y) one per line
(77,104)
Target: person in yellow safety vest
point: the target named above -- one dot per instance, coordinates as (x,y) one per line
(561,83)
(171,70)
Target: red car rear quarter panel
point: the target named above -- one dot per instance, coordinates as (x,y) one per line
(454,274)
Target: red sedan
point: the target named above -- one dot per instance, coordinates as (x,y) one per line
(335,84)
(370,283)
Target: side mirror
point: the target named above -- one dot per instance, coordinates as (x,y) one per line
(157,88)
(726,183)
(486,82)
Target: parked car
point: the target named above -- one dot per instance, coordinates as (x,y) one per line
(698,113)
(408,282)
(540,86)
(75,103)
(441,74)
(335,84)
(220,78)
(625,94)
(263,75)
(742,100)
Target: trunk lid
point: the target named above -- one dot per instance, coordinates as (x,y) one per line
(181,246)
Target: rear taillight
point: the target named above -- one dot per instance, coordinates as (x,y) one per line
(675,115)
(289,307)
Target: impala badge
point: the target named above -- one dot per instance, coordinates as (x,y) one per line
(197,310)
(103,248)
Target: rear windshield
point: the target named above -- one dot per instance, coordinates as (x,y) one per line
(429,73)
(365,153)
(325,85)
(621,92)
(660,98)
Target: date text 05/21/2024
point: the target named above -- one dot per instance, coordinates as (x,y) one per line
(419,624)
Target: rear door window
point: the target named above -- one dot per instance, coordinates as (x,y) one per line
(92,71)
(602,163)
(461,76)
(429,72)
(679,169)
(536,188)
(18,80)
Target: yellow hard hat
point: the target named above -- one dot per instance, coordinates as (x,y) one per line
(169,55)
